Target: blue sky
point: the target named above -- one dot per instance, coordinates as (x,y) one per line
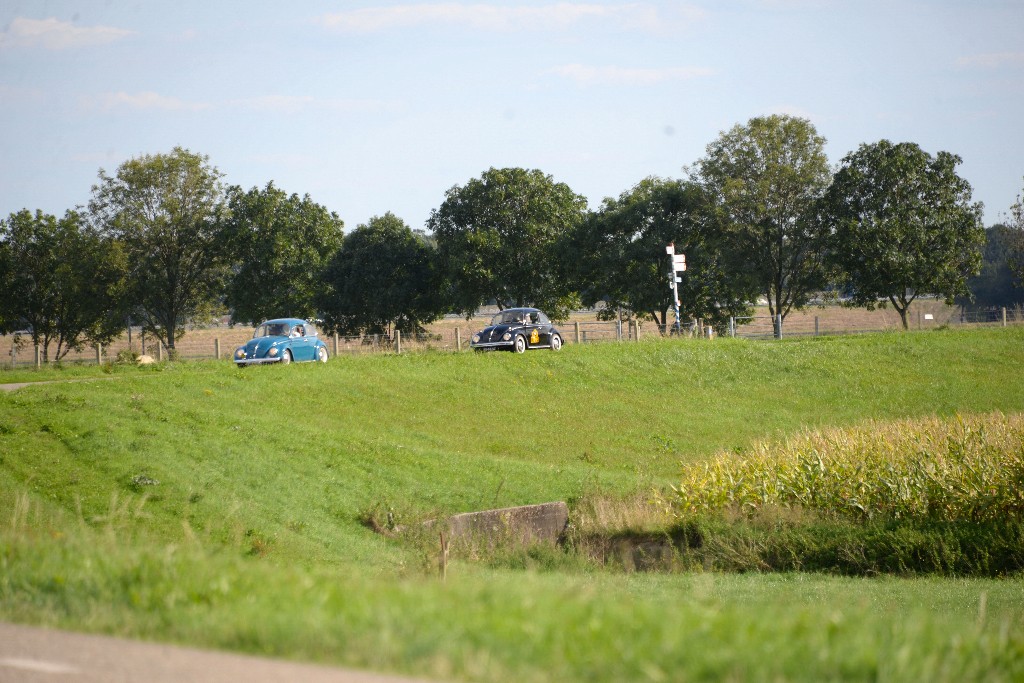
(372,107)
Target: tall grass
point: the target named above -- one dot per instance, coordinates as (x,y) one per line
(959,468)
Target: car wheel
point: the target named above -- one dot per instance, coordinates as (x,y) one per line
(520,345)
(321,354)
(286,357)
(556,342)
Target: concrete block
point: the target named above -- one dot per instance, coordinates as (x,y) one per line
(541,523)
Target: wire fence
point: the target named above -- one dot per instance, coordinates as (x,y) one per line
(219,342)
(767,327)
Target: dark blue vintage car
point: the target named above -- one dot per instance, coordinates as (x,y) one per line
(518,329)
(282,341)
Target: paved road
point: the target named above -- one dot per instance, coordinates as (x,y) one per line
(14,386)
(18,385)
(36,655)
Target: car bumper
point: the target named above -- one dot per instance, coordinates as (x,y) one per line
(492,345)
(255,361)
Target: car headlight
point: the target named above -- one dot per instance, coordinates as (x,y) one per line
(240,353)
(476,338)
(272,352)
(506,336)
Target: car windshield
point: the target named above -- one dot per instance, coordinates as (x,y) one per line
(510,316)
(271,330)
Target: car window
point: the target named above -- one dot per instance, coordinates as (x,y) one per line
(275,330)
(543,319)
(506,317)
(310,330)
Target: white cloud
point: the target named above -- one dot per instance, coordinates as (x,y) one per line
(285,104)
(13,95)
(792,110)
(615,75)
(495,17)
(293,104)
(286,159)
(140,101)
(993,60)
(53,34)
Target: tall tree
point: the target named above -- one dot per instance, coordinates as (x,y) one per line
(384,277)
(765,178)
(998,283)
(497,238)
(60,279)
(620,255)
(905,225)
(279,245)
(167,210)
(1015,225)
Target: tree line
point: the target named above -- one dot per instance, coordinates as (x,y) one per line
(762,217)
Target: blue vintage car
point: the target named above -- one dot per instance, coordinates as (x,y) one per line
(282,341)
(518,329)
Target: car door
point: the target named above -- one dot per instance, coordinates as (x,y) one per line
(534,331)
(302,345)
(543,330)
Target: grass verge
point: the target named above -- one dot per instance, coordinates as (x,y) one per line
(197,503)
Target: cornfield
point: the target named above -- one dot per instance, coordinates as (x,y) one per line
(959,468)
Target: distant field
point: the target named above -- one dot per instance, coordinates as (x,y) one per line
(201,343)
(199,503)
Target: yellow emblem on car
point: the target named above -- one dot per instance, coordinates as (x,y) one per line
(535,337)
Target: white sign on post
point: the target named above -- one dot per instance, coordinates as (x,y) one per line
(678,266)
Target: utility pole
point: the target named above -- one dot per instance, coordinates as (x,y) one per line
(678,266)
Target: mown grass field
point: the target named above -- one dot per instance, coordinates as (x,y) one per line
(198,503)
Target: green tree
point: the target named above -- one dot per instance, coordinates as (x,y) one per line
(765,179)
(61,279)
(998,283)
(167,211)
(279,244)
(498,239)
(620,258)
(384,277)
(905,225)
(1015,225)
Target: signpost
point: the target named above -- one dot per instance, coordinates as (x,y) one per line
(678,266)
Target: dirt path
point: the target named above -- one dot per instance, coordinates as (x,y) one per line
(14,386)
(31,655)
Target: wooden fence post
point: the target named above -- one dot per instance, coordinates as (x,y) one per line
(1004,316)
(398,341)
(99,354)
(815,326)
(216,348)
(442,560)
(39,358)
(335,343)
(458,339)
(577,326)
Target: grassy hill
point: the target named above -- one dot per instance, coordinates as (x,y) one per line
(204,504)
